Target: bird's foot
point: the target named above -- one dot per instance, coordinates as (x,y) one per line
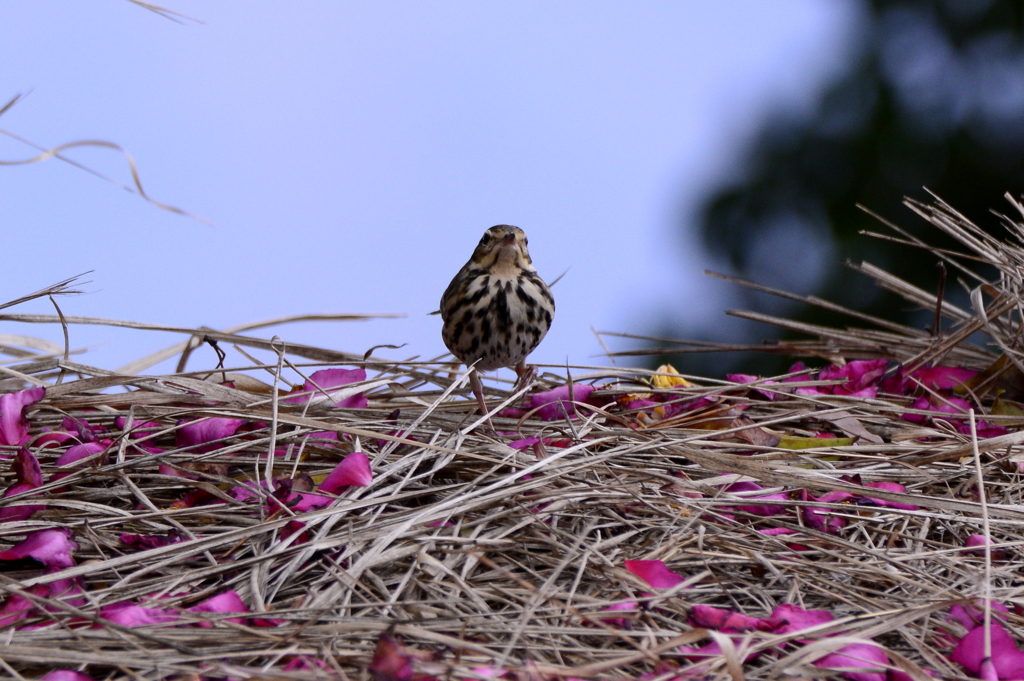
(526,374)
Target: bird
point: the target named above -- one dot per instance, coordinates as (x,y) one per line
(497,309)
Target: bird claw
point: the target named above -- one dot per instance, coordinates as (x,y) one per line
(526,374)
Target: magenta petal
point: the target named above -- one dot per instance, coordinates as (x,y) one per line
(554,404)
(788,618)
(776,531)
(524,443)
(142,542)
(741,378)
(55,436)
(631,607)
(890,487)
(821,519)
(944,378)
(19,512)
(1007,660)
(983,428)
(17,607)
(28,476)
(866,393)
(655,573)
(322,381)
(972,614)
(65,675)
(710,617)
(227,602)
(132,615)
(82,451)
(323,435)
(975,547)
(694,654)
(13,424)
(26,469)
(860,374)
(953,405)
(857,655)
(354,469)
(52,548)
(202,431)
(976,540)
(390,660)
(304,662)
(754,509)
(309,502)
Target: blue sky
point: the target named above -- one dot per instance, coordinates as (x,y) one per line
(349,156)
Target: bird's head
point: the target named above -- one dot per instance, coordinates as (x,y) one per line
(503,246)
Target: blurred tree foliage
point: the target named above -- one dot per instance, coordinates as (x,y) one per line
(934,98)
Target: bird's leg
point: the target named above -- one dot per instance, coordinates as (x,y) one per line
(478,390)
(526,374)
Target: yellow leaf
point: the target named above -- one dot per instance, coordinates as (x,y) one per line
(669,381)
(1003,407)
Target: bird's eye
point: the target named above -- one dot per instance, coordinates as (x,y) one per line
(526,242)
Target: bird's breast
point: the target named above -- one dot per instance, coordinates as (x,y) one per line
(500,318)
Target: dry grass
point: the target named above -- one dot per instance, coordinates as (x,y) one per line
(487,555)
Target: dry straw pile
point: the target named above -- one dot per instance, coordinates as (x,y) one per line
(162,551)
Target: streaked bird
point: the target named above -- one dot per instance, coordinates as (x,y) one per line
(497,309)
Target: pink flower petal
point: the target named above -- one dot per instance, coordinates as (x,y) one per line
(787,618)
(862,377)
(972,615)
(227,602)
(17,607)
(142,542)
(291,528)
(132,615)
(695,654)
(55,437)
(555,404)
(13,424)
(81,429)
(712,649)
(203,431)
(728,621)
(28,476)
(655,573)
(65,675)
(304,662)
(308,502)
(620,622)
(759,510)
(944,378)
(354,469)
(890,487)
(52,548)
(857,655)
(322,381)
(821,519)
(1007,661)
(83,451)
(139,428)
(983,428)
(390,660)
